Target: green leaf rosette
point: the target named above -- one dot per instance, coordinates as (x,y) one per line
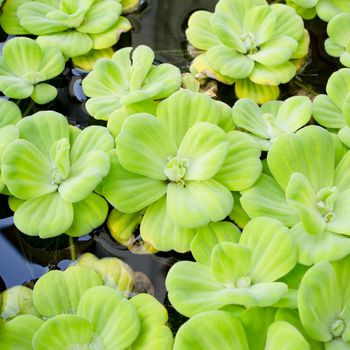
(24,68)
(272,119)
(333,110)
(242,273)
(338,43)
(170,165)
(323,300)
(127,79)
(248,41)
(308,190)
(55,174)
(10,114)
(74,28)
(325,9)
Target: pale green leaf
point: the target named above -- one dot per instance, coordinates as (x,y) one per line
(272,74)
(157,229)
(274,252)
(58,292)
(45,216)
(188,206)
(338,86)
(43,93)
(338,29)
(144,145)
(9,113)
(326,112)
(205,147)
(207,330)
(198,33)
(130,192)
(242,166)
(208,236)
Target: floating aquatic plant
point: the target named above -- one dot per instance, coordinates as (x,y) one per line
(74,309)
(307,189)
(325,9)
(25,66)
(323,302)
(53,169)
(128,78)
(171,164)
(242,273)
(251,43)
(273,118)
(74,28)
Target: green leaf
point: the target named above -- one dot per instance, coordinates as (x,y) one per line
(144,145)
(184,108)
(274,252)
(154,334)
(9,113)
(205,147)
(100,17)
(245,88)
(157,228)
(32,16)
(192,289)
(332,48)
(85,174)
(229,62)
(272,74)
(338,86)
(45,216)
(228,31)
(87,215)
(17,334)
(260,21)
(319,301)
(341,221)
(101,107)
(301,197)
(310,152)
(113,318)
(207,330)
(208,236)
(326,113)
(130,192)
(54,124)
(188,206)
(70,43)
(25,170)
(43,93)
(323,246)
(338,29)
(198,33)
(9,21)
(283,336)
(63,332)
(230,261)
(266,198)
(242,166)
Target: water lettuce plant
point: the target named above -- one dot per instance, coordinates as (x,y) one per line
(74,309)
(251,43)
(323,301)
(272,119)
(242,273)
(24,68)
(180,158)
(307,189)
(325,9)
(54,168)
(128,78)
(74,28)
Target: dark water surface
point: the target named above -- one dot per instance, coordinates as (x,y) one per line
(159,24)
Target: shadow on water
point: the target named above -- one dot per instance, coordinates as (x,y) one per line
(161,25)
